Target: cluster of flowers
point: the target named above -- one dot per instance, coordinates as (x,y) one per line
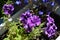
(29,20)
(51,27)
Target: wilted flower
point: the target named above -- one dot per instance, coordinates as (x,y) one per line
(24,16)
(8,8)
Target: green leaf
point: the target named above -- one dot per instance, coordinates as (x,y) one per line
(41,25)
(6,39)
(36,31)
(26,38)
(18,37)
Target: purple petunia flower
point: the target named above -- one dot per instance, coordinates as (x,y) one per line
(51,27)
(33,21)
(24,16)
(50,31)
(8,8)
(50,20)
(29,20)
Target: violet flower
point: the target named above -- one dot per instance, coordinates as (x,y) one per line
(29,20)
(50,20)
(50,31)
(51,27)
(8,8)
(33,21)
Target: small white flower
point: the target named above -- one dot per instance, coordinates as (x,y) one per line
(10,19)
(58,38)
(3,24)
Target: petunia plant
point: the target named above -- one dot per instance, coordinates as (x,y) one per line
(16,33)
(30,24)
(29,20)
(7,9)
(18,30)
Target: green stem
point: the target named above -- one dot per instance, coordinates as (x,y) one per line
(8,2)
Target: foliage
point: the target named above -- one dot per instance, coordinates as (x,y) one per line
(36,31)
(16,33)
